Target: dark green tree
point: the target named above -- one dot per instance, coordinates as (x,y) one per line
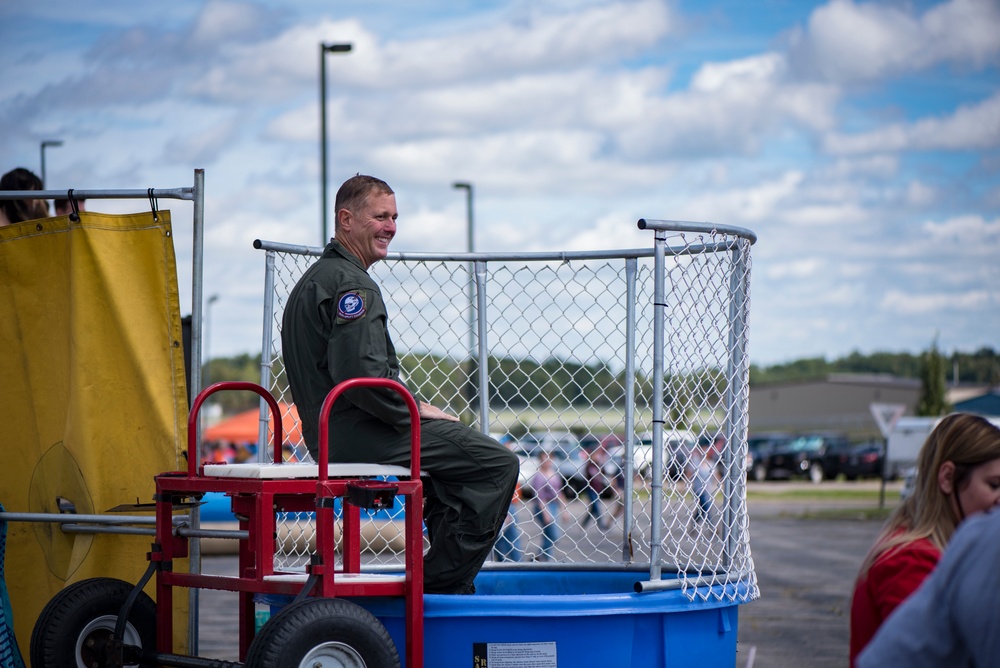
(933,399)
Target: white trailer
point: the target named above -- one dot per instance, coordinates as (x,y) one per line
(905,439)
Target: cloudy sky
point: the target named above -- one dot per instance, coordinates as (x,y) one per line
(859,140)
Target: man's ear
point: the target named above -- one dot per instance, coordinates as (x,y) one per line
(946,477)
(344,220)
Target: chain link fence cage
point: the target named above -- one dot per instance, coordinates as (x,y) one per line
(587,360)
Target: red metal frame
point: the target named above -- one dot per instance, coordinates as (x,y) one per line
(256,502)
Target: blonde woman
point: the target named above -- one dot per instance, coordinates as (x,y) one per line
(958,475)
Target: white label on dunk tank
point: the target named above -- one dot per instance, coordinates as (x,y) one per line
(514,655)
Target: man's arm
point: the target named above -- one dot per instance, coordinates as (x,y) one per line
(357,348)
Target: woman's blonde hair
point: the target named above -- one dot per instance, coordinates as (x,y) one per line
(961,438)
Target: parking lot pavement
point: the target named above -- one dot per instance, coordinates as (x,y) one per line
(805,570)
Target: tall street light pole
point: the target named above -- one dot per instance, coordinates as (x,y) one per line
(208,322)
(324,49)
(471,385)
(45,144)
(206,380)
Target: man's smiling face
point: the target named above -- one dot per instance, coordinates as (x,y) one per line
(369,231)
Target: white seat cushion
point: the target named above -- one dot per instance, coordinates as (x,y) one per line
(354,578)
(302,470)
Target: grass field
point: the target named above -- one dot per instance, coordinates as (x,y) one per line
(819,493)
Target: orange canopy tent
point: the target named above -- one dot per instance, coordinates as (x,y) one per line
(244,427)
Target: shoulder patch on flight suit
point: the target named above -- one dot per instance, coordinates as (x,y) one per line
(352,305)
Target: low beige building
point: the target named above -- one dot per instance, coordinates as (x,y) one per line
(839,402)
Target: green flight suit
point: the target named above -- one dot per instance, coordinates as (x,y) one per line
(334,328)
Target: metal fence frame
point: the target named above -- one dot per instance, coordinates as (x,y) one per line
(670,241)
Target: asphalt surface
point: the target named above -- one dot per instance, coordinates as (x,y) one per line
(805,569)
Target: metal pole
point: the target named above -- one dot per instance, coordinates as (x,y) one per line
(484,370)
(628,460)
(206,362)
(266,354)
(208,331)
(470,247)
(324,49)
(736,396)
(656,484)
(45,144)
(197,263)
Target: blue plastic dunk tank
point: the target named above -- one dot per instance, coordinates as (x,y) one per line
(546,619)
(550,618)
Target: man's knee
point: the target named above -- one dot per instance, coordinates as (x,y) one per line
(509,464)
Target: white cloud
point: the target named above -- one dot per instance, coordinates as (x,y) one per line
(920,195)
(542,42)
(573,120)
(202,148)
(795,269)
(539,42)
(909,303)
(879,166)
(714,77)
(730,108)
(850,42)
(223,21)
(975,126)
(972,230)
(744,205)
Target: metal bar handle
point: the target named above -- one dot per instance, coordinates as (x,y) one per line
(230,385)
(388,383)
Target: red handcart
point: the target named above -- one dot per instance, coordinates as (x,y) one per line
(105,622)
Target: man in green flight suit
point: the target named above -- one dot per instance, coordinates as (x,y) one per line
(335,327)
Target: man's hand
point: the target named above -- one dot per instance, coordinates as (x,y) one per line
(428,412)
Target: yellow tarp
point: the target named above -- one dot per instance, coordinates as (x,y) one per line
(92,393)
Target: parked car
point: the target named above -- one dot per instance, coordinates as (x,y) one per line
(677,447)
(567,453)
(818,456)
(759,446)
(864,461)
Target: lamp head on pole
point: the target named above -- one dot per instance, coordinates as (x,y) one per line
(337,48)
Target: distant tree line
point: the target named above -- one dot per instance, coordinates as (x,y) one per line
(979,368)
(524,382)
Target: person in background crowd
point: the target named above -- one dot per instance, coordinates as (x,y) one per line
(958,475)
(597,483)
(508,545)
(14,211)
(704,481)
(63,207)
(547,487)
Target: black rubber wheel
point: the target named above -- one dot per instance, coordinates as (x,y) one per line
(74,627)
(323,631)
